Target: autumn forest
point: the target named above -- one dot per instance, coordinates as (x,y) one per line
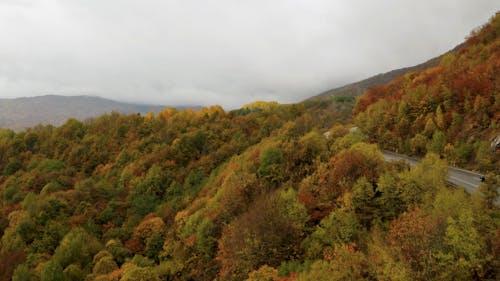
(267,192)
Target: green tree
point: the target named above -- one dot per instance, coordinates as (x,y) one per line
(13,166)
(418,144)
(22,273)
(73,272)
(134,273)
(154,245)
(390,201)
(77,246)
(105,265)
(52,271)
(314,145)
(437,143)
(347,141)
(465,257)
(339,227)
(489,189)
(440,118)
(271,165)
(462,153)
(484,155)
(364,202)
(424,180)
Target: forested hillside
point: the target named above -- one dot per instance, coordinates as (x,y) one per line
(452,109)
(262,193)
(360,87)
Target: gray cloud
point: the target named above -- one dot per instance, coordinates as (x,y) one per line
(226,52)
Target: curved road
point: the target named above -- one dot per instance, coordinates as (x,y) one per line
(456,176)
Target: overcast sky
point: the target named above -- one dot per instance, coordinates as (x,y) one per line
(226,52)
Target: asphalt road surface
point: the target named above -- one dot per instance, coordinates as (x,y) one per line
(456,176)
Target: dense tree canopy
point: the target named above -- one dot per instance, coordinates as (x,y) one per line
(263,192)
(451,109)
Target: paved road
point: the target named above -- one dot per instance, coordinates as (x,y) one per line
(456,176)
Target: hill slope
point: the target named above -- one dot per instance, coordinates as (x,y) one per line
(21,113)
(360,87)
(257,193)
(452,108)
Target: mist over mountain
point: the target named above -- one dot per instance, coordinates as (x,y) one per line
(21,113)
(328,189)
(360,87)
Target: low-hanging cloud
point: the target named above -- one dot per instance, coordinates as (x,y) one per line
(226,52)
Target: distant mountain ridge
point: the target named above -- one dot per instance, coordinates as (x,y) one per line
(21,113)
(358,88)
